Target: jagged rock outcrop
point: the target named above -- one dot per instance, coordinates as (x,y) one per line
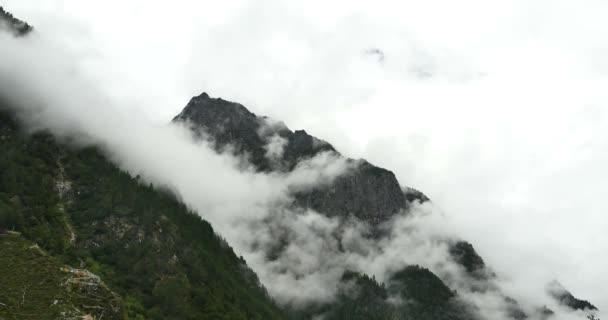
(368,192)
(230,125)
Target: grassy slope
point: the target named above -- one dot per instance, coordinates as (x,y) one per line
(34,287)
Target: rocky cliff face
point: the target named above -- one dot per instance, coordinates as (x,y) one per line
(368,192)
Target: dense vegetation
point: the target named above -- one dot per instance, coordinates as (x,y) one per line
(163,260)
(412,293)
(35,286)
(360,297)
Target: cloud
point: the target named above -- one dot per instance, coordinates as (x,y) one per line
(275,145)
(495,110)
(244,206)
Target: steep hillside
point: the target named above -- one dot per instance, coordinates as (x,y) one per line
(370,194)
(36,286)
(160,258)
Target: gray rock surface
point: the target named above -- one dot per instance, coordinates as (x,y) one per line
(367,192)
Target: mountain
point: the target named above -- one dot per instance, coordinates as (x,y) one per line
(14,25)
(565,298)
(161,260)
(72,209)
(88,240)
(75,210)
(411,293)
(80,228)
(36,285)
(369,193)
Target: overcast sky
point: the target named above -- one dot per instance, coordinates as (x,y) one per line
(497,110)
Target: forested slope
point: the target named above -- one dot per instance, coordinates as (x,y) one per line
(164,261)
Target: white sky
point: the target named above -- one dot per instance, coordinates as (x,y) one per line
(496,110)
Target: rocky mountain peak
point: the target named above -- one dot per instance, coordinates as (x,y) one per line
(230,124)
(368,192)
(203,109)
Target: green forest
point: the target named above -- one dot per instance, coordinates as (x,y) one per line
(162,260)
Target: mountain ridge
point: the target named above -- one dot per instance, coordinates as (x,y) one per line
(369,193)
(369,187)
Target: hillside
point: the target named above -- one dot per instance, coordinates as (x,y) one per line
(161,259)
(158,259)
(370,194)
(37,286)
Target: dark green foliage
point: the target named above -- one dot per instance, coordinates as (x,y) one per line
(27,198)
(161,260)
(424,296)
(420,284)
(412,293)
(146,245)
(160,252)
(359,297)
